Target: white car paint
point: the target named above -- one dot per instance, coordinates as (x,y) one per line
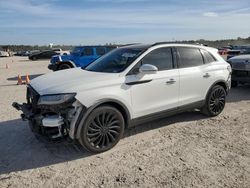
(143,99)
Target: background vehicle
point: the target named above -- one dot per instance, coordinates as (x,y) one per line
(223,50)
(238,50)
(241,69)
(4,54)
(128,86)
(43,55)
(81,56)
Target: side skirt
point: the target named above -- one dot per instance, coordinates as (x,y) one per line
(165,113)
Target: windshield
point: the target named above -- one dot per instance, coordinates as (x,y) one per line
(115,61)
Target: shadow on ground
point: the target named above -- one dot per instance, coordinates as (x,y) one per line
(23,77)
(20,150)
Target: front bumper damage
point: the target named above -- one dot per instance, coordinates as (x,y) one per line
(51,121)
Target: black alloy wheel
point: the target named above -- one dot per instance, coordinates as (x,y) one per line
(103,129)
(216,101)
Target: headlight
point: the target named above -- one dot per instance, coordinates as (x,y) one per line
(55,99)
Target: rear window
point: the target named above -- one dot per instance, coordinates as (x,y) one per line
(100,50)
(189,57)
(208,57)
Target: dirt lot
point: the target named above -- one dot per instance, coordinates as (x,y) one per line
(187,150)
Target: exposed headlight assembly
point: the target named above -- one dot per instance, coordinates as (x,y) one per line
(55,98)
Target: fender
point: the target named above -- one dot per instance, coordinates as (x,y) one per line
(86,111)
(216,83)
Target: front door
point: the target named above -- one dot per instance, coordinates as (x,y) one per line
(153,93)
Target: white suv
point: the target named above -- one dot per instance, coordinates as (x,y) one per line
(126,87)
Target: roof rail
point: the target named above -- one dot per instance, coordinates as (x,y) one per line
(157,43)
(130,44)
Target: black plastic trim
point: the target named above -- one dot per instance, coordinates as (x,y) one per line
(166,113)
(138,82)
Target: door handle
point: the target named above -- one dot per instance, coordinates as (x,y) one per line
(170,81)
(207,75)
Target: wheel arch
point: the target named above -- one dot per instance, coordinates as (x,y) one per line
(71,63)
(221,83)
(110,102)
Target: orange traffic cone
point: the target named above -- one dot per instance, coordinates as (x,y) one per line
(7,66)
(19,80)
(27,80)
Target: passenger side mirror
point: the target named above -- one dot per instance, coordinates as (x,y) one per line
(148,69)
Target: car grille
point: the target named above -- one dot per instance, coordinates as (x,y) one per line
(32,97)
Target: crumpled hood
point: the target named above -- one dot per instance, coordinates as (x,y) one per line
(70,80)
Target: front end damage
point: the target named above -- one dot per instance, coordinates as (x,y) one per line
(54,121)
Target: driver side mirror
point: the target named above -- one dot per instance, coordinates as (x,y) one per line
(148,69)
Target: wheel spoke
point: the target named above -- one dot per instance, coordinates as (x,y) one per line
(93,134)
(113,123)
(113,131)
(94,139)
(111,136)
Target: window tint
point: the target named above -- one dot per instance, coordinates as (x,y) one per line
(208,57)
(189,57)
(161,58)
(87,52)
(100,51)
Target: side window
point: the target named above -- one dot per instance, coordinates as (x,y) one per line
(161,58)
(189,57)
(87,52)
(100,51)
(209,58)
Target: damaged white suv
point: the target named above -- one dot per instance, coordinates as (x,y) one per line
(128,86)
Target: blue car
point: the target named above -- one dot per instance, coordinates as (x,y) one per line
(81,56)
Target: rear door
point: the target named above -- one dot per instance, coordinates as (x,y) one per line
(196,76)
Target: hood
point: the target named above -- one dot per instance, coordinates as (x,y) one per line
(239,58)
(71,80)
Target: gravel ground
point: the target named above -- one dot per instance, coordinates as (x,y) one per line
(186,150)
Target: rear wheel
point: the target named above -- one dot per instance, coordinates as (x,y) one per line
(102,129)
(215,101)
(64,66)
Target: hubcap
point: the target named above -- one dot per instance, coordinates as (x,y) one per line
(217,101)
(104,129)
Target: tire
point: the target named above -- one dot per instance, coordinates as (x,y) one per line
(234,84)
(34,58)
(64,66)
(215,102)
(102,130)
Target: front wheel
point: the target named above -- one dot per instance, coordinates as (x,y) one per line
(102,129)
(215,101)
